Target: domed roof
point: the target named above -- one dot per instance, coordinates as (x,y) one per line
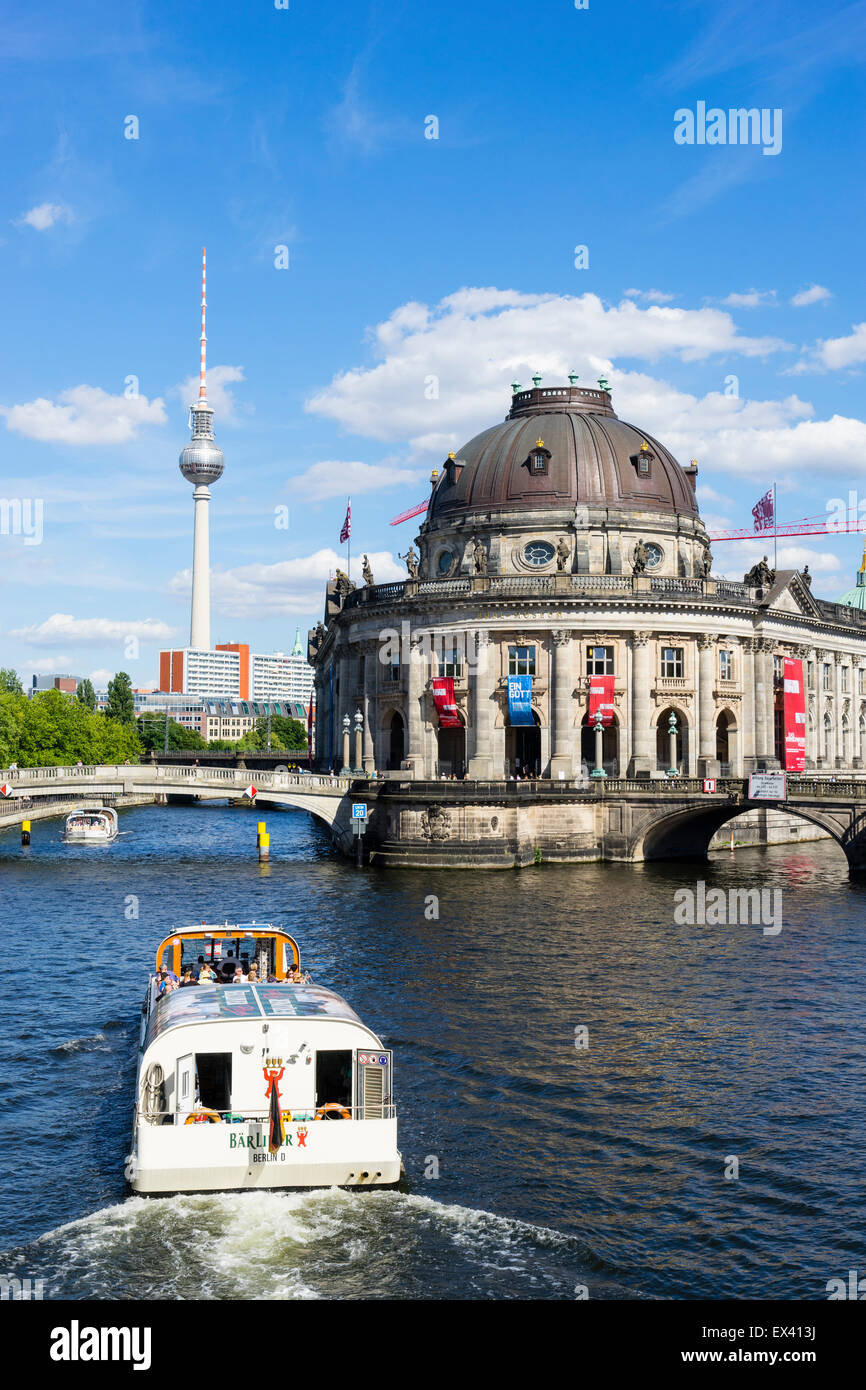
(592,457)
(856,598)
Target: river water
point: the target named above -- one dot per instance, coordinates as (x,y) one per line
(560,1166)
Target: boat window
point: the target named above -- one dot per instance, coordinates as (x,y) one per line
(334,1078)
(214,1079)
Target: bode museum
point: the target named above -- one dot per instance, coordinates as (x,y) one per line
(560,620)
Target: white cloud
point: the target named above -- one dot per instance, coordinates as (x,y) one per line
(844,352)
(751,299)
(814,295)
(288,586)
(84,415)
(475,342)
(100,677)
(219,397)
(63,627)
(44,216)
(650,296)
(733,559)
(332,478)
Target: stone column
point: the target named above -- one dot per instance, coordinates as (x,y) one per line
(642,758)
(369,709)
(747,745)
(856,749)
(840,706)
(765,704)
(708,763)
(415,704)
(562,756)
(820,708)
(481,679)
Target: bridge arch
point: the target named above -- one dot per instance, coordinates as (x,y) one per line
(686,831)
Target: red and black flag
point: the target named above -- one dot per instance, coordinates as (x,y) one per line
(276,1129)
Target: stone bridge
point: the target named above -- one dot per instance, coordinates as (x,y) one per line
(325,797)
(472,824)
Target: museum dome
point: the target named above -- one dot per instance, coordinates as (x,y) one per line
(560,447)
(856,597)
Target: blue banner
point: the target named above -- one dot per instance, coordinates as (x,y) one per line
(520,700)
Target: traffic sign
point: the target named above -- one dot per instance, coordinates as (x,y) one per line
(709,784)
(359,810)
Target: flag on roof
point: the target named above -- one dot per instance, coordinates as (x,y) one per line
(347,524)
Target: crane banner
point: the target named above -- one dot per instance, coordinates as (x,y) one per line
(601,697)
(443,699)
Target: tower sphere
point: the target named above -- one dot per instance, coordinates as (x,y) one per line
(201,461)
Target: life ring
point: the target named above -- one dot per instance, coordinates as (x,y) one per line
(333,1111)
(198,1117)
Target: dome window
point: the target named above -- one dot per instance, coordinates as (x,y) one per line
(643,461)
(538,553)
(539,459)
(445,562)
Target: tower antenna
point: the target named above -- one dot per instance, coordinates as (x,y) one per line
(202,388)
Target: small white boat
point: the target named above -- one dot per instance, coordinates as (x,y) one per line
(240,1081)
(96,827)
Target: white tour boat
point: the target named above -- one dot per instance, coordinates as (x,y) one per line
(96,827)
(240,1082)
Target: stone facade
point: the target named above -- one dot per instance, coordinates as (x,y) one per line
(569,563)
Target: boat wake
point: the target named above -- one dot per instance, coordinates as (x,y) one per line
(97,1043)
(323,1244)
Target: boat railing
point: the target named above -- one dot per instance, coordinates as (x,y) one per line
(306,1115)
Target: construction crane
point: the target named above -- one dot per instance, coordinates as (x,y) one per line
(808,526)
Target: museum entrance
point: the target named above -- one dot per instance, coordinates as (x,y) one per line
(609,749)
(451,752)
(397,743)
(523,749)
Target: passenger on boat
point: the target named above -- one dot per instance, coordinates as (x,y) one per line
(239,978)
(188,978)
(253,975)
(206,976)
(168,981)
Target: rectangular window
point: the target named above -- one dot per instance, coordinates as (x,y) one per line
(810,674)
(726,666)
(845,678)
(521,661)
(451,664)
(828,676)
(540,462)
(778,668)
(861,681)
(672,662)
(599,661)
(394,669)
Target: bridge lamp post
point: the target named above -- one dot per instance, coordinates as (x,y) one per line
(359,735)
(598,770)
(347,725)
(673,770)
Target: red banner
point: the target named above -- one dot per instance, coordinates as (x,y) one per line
(795,716)
(601,697)
(443,698)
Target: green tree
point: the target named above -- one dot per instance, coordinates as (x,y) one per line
(285,734)
(9,681)
(121,705)
(11,713)
(86,695)
(56,729)
(151,731)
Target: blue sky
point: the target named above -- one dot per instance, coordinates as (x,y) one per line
(713,270)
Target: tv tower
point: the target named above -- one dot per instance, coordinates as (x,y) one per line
(201,463)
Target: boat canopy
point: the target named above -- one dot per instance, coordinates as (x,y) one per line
(228,941)
(223,1003)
